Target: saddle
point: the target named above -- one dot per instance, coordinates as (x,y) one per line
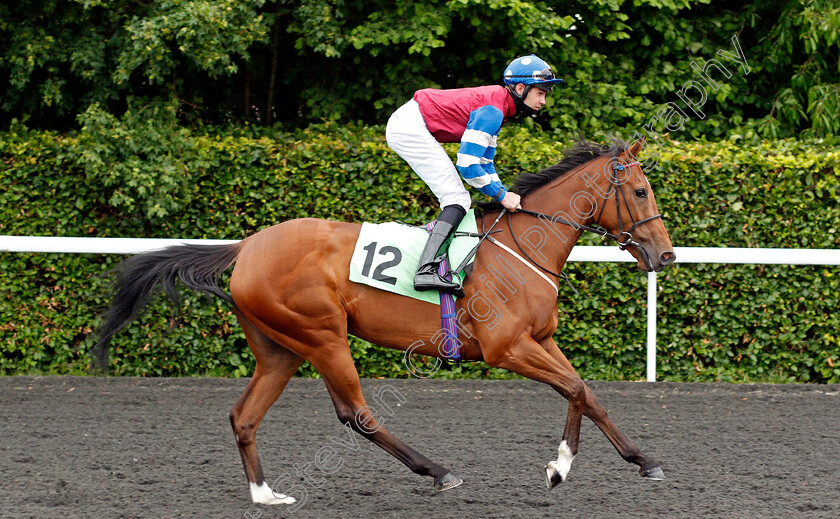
(386,257)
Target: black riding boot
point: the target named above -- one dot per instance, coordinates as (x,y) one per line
(427,277)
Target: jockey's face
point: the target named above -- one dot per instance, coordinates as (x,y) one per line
(535,98)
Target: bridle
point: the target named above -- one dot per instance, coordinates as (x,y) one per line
(623,238)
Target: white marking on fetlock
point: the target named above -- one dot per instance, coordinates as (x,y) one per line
(564,461)
(263,495)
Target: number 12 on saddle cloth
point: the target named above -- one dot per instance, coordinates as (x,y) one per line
(387,254)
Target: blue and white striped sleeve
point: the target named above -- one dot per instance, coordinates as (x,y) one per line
(478,147)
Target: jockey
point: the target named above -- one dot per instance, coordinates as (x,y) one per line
(473,117)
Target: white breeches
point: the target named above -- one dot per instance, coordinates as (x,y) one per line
(407,134)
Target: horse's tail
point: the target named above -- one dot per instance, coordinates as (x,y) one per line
(198,266)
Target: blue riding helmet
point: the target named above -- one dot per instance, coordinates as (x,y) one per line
(530,70)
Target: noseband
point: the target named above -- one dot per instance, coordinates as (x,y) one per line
(623,238)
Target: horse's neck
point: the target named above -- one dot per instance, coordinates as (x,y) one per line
(556,199)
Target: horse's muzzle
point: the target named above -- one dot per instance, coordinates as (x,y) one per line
(647,263)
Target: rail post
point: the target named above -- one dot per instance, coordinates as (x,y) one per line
(651,327)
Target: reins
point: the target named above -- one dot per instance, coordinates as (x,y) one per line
(597,228)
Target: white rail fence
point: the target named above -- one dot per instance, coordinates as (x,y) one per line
(752,256)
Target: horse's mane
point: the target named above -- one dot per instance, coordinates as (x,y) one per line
(578,155)
(582,152)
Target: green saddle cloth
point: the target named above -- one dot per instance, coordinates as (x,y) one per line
(387,254)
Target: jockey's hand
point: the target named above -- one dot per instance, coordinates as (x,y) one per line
(511,202)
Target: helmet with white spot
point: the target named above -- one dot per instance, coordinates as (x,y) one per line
(530,70)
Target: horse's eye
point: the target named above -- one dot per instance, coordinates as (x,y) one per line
(641,193)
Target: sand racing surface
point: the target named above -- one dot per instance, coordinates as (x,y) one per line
(160,448)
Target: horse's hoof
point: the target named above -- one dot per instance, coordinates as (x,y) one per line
(447,481)
(263,495)
(552,476)
(557,471)
(654,473)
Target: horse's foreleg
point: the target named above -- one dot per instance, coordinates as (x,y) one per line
(342,381)
(593,410)
(275,366)
(628,450)
(529,359)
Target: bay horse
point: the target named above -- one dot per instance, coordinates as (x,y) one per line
(291,294)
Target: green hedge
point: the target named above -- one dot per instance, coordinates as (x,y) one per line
(145,176)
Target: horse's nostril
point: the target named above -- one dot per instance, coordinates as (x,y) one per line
(667,258)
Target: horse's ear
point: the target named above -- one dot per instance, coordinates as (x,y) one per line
(634,150)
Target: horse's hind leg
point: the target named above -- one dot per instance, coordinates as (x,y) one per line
(342,381)
(275,366)
(593,410)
